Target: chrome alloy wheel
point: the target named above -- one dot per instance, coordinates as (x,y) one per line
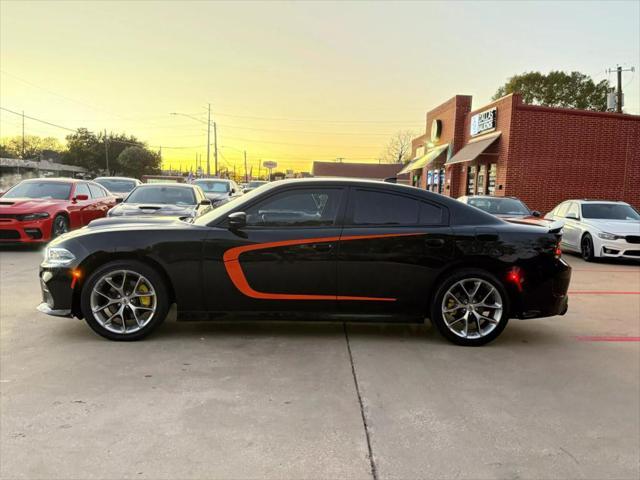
(472,308)
(123,301)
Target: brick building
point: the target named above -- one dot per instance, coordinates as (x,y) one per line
(542,155)
(375,171)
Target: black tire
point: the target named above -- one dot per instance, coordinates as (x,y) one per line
(437,317)
(59,226)
(157,284)
(586,248)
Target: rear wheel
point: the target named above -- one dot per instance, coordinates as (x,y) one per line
(470,308)
(586,248)
(60,225)
(124,300)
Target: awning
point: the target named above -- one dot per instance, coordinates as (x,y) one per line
(474,148)
(422,161)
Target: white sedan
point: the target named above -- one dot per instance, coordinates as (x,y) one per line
(597,228)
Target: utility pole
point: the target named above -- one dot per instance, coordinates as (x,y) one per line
(23,134)
(209,141)
(619,71)
(245,167)
(215,146)
(106,149)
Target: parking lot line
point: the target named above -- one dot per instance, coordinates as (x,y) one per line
(600,338)
(602,292)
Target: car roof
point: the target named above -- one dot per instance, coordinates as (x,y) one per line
(116,178)
(491,196)
(591,200)
(167,184)
(55,179)
(212,180)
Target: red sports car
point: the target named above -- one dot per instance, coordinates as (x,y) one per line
(40,209)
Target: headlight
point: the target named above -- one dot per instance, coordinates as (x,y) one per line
(33,216)
(609,236)
(58,257)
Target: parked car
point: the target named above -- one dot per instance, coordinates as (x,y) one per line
(218,190)
(171,199)
(597,228)
(119,186)
(313,249)
(38,210)
(503,207)
(253,185)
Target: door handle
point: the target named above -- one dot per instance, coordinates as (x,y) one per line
(323,247)
(434,242)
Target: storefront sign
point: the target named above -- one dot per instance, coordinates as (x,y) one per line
(483,122)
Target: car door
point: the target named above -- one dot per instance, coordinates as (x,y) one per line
(100,200)
(392,247)
(86,208)
(284,259)
(572,227)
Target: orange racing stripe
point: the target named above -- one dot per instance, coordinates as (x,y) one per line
(232,264)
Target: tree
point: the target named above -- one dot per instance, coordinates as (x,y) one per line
(86,149)
(558,89)
(135,161)
(398,150)
(34,146)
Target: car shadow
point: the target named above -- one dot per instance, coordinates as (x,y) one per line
(515,334)
(21,247)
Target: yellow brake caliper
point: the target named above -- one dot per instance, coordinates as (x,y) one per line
(144,301)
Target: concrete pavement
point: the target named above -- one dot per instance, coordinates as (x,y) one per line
(278,400)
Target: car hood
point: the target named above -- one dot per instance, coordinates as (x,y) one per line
(25,205)
(619,227)
(126,209)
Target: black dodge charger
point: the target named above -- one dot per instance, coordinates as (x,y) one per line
(312,249)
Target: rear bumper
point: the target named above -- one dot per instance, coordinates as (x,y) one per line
(544,292)
(16,231)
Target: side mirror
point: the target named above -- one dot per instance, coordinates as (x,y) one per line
(206,201)
(237,220)
(536,213)
(233,190)
(119,199)
(81,198)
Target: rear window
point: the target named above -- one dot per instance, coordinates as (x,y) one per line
(499,206)
(116,185)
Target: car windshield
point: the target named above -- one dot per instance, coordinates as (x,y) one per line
(500,206)
(168,195)
(609,211)
(213,186)
(44,190)
(224,210)
(116,185)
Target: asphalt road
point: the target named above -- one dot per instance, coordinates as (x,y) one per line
(551,398)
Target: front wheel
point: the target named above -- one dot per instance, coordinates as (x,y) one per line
(124,300)
(60,225)
(586,248)
(470,308)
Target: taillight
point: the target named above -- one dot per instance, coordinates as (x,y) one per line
(558,251)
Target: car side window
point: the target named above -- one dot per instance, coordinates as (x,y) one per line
(96,191)
(561,211)
(381,208)
(309,207)
(82,189)
(573,209)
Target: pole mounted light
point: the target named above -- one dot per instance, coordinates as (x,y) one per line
(208,123)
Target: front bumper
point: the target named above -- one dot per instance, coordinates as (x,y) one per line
(17,231)
(57,285)
(620,248)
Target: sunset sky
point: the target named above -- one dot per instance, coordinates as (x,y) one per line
(291,82)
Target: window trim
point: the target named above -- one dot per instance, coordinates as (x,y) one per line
(349,222)
(338,222)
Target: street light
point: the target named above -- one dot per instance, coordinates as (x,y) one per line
(215,138)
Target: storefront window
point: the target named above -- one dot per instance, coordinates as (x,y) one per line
(491,189)
(471,180)
(442,179)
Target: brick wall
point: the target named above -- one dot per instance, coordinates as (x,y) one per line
(556,154)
